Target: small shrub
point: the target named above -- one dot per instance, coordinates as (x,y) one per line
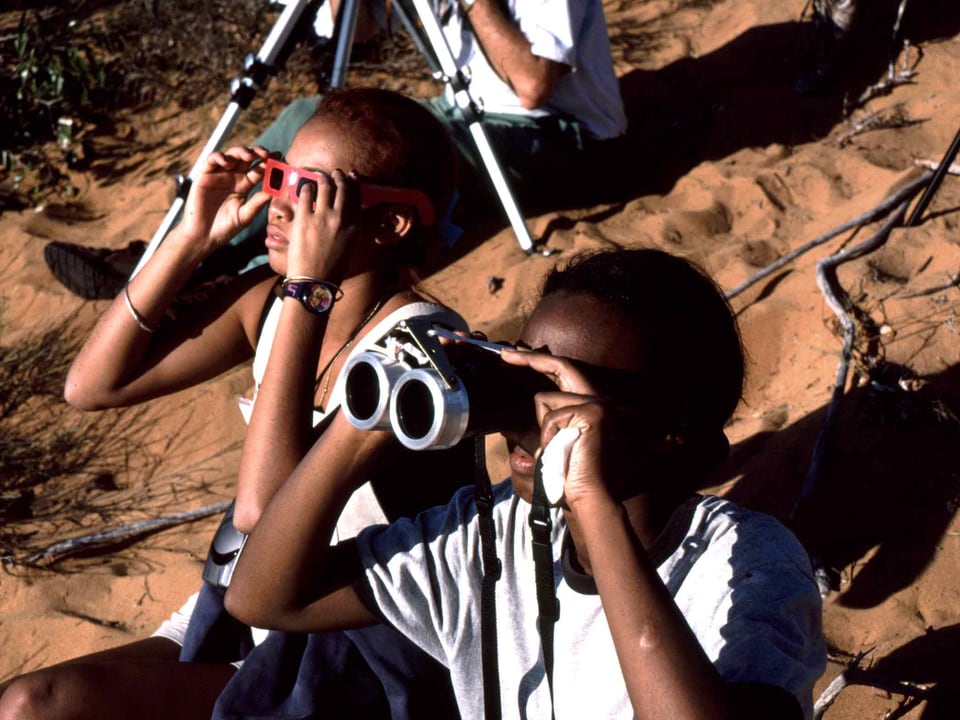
(48,73)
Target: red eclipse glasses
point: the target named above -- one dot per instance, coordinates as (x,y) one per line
(279,177)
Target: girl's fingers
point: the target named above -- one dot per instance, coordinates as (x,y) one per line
(241,152)
(347,198)
(326,193)
(254,174)
(235,157)
(564,373)
(306,199)
(216,160)
(546,403)
(248,211)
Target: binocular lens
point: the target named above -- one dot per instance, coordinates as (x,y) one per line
(369,378)
(425,413)
(415,411)
(363,394)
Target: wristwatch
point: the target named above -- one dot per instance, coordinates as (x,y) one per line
(316,296)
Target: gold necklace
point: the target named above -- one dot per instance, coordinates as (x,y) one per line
(327,373)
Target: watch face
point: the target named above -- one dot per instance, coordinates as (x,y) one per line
(318,298)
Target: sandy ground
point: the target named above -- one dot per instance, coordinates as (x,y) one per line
(732,167)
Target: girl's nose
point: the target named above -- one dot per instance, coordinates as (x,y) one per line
(281,209)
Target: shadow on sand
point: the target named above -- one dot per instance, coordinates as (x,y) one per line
(742,95)
(888,492)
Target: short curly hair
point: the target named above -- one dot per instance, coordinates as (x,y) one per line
(687,336)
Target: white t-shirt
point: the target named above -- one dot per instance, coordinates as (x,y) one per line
(741,579)
(570,32)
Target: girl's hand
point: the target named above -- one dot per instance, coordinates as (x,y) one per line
(217,207)
(575,404)
(325,222)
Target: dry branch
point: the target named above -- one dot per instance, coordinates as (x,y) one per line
(892,117)
(839,302)
(954,169)
(858,676)
(895,76)
(952,283)
(107,538)
(881,210)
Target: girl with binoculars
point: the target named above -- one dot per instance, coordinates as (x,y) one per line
(671,604)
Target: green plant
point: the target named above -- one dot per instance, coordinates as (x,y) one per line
(50,72)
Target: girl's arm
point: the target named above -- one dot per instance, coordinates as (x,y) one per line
(131,354)
(289,552)
(509,52)
(281,426)
(667,674)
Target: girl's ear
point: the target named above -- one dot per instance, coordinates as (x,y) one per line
(395,221)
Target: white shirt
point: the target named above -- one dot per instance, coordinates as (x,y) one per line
(570,32)
(741,580)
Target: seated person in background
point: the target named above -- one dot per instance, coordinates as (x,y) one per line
(671,604)
(545,78)
(340,272)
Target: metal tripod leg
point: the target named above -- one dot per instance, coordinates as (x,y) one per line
(258,69)
(443,63)
(346,26)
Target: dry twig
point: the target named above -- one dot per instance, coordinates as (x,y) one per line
(953,169)
(954,282)
(859,676)
(881,210)
(839,301)
(894,116)
(113,536)
(895,76)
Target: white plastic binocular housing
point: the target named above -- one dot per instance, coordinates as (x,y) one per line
(369,379)
(425,413)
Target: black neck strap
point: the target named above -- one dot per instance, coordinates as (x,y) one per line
(549,608)
(483,495)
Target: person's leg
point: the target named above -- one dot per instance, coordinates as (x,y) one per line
(213,635)
(141,680)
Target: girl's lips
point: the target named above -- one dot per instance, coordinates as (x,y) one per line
(521,462)
(275,239)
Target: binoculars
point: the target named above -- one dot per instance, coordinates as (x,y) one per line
(433,394)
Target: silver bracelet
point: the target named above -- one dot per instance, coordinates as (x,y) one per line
(141,321)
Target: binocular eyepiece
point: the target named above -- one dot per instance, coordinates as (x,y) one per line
(433,395)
